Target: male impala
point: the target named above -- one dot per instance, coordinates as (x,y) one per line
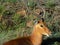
(35,38)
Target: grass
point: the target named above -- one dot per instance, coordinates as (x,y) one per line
(13,25)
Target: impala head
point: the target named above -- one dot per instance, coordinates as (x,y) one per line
(40,28)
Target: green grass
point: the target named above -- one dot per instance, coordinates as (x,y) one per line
(17,25)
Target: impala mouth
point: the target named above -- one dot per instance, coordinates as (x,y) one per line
(48,35)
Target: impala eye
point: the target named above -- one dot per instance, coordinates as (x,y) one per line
(41,25)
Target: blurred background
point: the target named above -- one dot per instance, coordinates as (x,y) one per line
(17,18)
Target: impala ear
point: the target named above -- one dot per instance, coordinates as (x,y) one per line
(42,19)
(39,21)
(36,22)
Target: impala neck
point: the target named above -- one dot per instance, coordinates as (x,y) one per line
(36,37)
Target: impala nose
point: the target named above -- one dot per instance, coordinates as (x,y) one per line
(50,34)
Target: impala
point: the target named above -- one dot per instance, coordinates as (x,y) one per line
(35,38)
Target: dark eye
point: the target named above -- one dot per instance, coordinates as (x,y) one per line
(41,25)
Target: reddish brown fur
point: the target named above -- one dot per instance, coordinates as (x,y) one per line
(34,39)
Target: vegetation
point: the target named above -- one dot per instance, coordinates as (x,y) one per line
(17,18)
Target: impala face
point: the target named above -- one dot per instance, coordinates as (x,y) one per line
(42,29)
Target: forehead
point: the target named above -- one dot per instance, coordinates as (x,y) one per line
(38,25)
(41,22)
